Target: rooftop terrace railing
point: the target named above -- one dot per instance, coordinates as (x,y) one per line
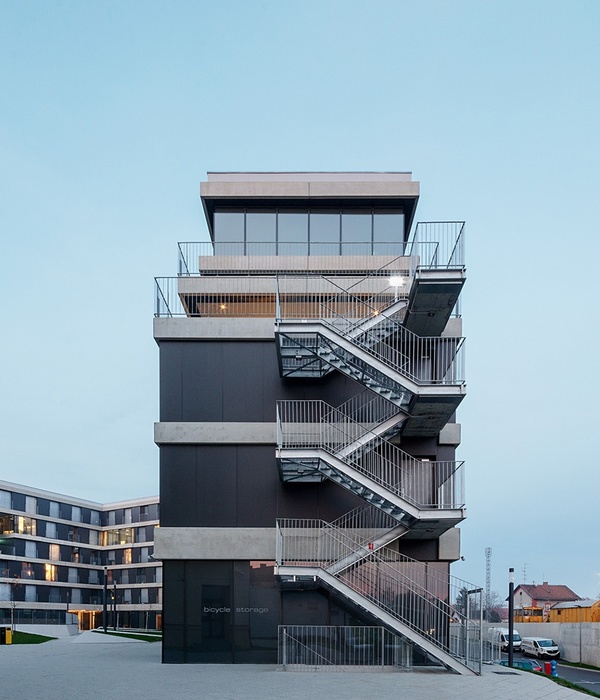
(439,244)
(198,258)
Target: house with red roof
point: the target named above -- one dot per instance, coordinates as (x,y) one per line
(542,596)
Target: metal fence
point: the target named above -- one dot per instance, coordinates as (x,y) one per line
(344,648)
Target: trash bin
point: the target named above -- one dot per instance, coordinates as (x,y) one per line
(547,668)
(5,635)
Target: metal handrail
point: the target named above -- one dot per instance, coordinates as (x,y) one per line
(439,244)
(413,592)
(311,425)
(193,256)
(371,323)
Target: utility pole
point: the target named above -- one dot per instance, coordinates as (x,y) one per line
(488,582)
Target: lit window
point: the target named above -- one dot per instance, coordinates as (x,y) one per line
(127,556)
(54,552)
(50,570)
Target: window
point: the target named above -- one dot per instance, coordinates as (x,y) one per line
(93,576)
(292,232)
(356,232)
(388,232)
(112,517)
(260,232)
(27,571)
(93,537)
(127,516)
(31,550)
(54,552)
(94,517)
(26,526)
(51,530)
(228,227)
(324,233)
(31,594)
(5,499)
(127,556)
(54,510)
(5,591)
(73,575)
(126,535)
(31,505)
(76,514)
(50,572)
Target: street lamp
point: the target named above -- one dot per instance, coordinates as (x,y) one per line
(511,613)
(104,600)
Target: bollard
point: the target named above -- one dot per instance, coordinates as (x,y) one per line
(554,666)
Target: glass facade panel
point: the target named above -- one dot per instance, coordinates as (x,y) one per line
(292,233)
(54,509)
(54,552)
(93,537)
(31,550)
(261,226)
(94,517)
(31,594)
(388,232)
(50,572)
(324,233)
(51,530)
(76,514)
(26,526)
(73,575)
(228,225)
(5,499)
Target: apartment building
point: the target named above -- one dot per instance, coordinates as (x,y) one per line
(311,366)
(59,554)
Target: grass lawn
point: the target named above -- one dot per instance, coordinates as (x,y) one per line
(27,638)
(149,637)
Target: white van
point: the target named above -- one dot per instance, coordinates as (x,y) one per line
(540,647)
(499,637)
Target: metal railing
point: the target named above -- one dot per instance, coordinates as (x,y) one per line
(194,256)
(364,321)
(327,648)
(439,244)
(311,425)
(418,594)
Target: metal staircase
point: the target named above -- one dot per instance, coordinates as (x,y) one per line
(423,376)
(317,441)
(409,597)
(365,329)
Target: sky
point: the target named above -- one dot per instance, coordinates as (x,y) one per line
(111,113)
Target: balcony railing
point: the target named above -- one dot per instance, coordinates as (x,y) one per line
(439,244)
(194,256)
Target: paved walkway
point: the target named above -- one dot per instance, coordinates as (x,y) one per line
(91,665)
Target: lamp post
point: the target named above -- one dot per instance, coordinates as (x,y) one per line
(114,601)
(511,613)
(104,600)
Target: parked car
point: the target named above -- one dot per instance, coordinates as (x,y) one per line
(540,647)
(524,664)
(499,637)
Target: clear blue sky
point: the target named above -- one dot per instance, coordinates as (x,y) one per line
(112,112)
